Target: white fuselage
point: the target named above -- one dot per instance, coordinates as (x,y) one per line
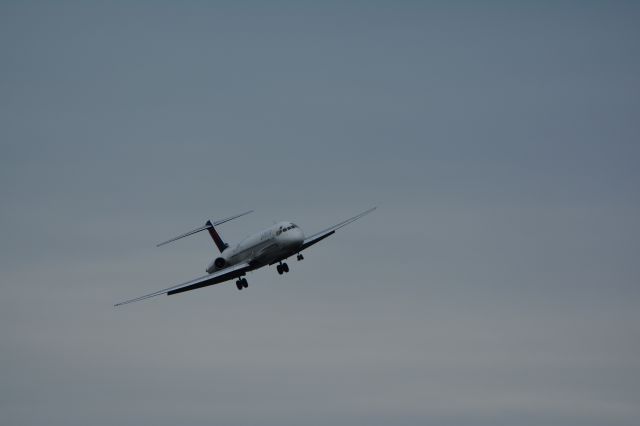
(261,248)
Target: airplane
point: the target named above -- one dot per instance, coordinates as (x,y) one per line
(272,246)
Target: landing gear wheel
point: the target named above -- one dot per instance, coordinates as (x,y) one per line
(285,267)
(239,285)
(300,257)
(244,283)
(279,268)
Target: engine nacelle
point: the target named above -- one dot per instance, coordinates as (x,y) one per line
(216,265)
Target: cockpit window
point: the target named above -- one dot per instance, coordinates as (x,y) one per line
(287,228)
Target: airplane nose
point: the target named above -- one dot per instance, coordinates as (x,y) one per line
(296,236)
(292,238)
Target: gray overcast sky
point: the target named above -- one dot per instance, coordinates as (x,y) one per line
(497,283)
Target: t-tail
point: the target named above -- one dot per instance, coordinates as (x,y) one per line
(216,237)
(209,226)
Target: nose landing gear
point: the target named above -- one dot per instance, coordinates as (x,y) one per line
(300,257)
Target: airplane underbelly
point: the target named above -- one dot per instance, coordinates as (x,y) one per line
(267,252)
(274,249)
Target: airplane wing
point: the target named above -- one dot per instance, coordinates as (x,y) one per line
(319,236)
(218,277)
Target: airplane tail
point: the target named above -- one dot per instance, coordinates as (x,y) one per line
(209,226)
(216,237)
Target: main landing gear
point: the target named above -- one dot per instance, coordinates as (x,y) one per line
(282,268)
(242,283)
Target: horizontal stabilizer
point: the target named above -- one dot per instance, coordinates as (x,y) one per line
(209,225)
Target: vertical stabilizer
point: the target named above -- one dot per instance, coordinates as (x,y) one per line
(216,237)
